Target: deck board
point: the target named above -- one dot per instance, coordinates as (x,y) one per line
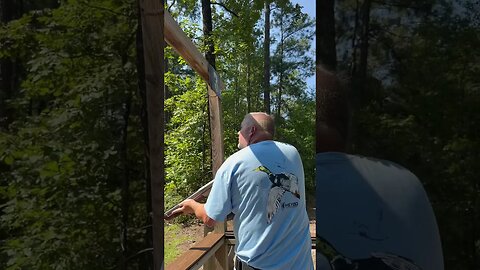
(197,254)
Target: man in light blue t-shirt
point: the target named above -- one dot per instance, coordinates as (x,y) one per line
(263,185)
(371,214)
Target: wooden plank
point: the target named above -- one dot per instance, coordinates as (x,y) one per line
(152,12)
(216,129)
(198,253)
(184,46)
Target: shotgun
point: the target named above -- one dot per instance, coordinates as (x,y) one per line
(200,194)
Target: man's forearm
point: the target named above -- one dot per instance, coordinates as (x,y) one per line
(200,213)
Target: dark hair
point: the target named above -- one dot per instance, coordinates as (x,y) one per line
(333,107)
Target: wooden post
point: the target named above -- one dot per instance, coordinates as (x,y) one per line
(152,12)
(218,156)
(185,47)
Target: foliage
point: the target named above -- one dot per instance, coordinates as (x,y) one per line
(61,167)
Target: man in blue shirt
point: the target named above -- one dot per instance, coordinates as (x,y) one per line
(263,185)
(371,214)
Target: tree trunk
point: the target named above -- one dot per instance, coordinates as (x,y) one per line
(125,182)
(168,94)
(216,132)
(249,89)
(207,32)
(353,64)
(326,52)
(280,79)
(362,67)
(266,58)
(7,74)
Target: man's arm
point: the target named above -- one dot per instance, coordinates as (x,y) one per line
(190,206)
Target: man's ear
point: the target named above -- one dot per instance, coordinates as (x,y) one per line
(253,129)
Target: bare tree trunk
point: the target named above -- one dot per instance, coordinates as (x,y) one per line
(237,97)
(209,55)
(125,182)
(280,79)
(266,58)
(219,260)
(353,64)
(249,89)
(362,68)
(326,52)
(168,94)
(207,31)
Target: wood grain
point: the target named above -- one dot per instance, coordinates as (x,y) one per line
(151,12)
(198,253)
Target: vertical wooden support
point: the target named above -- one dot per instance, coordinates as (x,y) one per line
(152,12)
(219,261)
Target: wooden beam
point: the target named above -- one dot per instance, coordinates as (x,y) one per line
(198,254)
(151,12)
(184,46)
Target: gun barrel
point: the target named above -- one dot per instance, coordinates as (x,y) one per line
(198,195)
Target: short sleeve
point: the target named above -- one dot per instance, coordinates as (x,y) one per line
(219,203)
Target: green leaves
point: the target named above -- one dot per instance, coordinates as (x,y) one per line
(59,187)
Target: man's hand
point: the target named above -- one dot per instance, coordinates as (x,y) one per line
(190,206)
(186,207)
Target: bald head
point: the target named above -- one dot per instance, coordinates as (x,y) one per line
(256,127)
(261,120)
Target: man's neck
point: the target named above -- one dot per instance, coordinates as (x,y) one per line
(260,138)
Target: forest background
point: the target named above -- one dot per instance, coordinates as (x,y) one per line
(73,187)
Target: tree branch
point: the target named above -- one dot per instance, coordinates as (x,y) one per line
(170,6)
(226,8)
(100,8)
(398,5)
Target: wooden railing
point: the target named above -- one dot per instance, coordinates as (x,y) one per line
(201,251)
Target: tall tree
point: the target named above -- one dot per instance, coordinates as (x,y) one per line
(360,76)
(290,62)
(207,32)
(326,48)
(266,58)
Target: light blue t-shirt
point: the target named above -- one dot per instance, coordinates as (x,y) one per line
(264,186)
(373,214)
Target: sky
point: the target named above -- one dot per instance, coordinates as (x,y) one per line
(309,8)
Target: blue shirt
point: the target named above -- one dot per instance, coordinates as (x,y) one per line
(264,186)
(373,214)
